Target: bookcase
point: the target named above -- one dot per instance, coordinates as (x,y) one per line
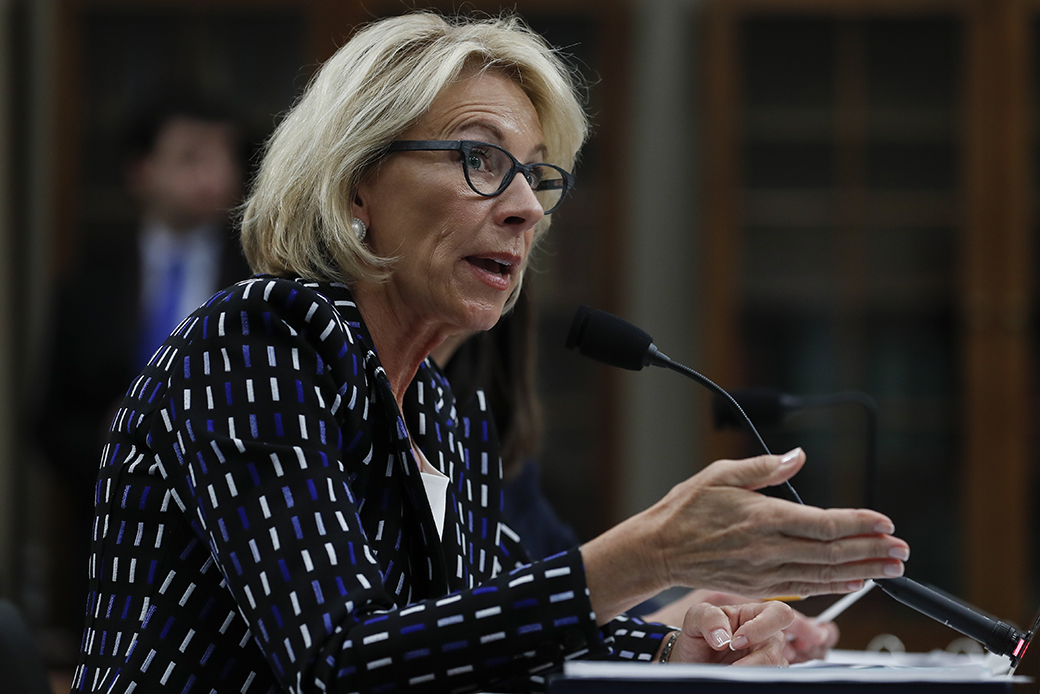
(869,226)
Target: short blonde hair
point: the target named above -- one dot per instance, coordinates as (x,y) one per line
(380,83)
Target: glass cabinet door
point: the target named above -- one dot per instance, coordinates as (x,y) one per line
(848,226)
(867,230)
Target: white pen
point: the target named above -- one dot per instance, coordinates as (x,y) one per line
(837,608)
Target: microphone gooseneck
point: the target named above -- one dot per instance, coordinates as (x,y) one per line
(614,341)
(786,487)
(771,408)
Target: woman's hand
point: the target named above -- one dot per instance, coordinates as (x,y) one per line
(715,531)
(749,634)
(806,640)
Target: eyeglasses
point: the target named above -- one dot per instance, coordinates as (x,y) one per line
(490,169)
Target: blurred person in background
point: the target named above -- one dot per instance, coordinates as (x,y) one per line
(129,288)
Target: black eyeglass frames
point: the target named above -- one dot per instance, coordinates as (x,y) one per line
(489,169)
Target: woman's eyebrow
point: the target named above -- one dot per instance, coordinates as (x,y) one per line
(494,133)
(497,137)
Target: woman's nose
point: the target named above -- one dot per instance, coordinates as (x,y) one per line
(521,208)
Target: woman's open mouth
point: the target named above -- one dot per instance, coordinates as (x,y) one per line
(496,272)
(491,265)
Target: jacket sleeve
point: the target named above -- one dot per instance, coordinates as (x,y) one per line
(254,434)
(630,638)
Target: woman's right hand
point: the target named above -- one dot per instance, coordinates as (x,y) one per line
(715,531)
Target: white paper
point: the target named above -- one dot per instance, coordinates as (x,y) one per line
(841,666)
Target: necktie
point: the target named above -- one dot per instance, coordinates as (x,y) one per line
(161,316)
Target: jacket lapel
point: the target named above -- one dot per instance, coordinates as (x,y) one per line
(430,412)
(401,528)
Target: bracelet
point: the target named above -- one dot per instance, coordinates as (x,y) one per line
(667,650)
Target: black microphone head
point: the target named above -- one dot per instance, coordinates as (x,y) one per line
(605,337)
(766,408)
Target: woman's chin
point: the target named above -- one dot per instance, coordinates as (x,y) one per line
(482,315)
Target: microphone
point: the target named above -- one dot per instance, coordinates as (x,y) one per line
(611,340)
(997,636)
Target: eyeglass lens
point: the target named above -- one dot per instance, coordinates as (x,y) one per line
(487,168)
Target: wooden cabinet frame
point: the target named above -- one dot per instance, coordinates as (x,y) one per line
(995,273)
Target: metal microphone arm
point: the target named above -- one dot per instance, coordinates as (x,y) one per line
(869,405)
(658,358)
(773,408)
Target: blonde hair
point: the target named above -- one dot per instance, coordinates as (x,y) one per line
(380,83)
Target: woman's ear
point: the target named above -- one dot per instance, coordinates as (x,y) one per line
(358,210)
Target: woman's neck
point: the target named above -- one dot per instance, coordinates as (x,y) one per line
(442,353)
(401,339)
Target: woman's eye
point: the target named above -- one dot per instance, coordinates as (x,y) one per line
(477,161)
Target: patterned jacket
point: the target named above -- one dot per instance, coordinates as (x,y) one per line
(261,524)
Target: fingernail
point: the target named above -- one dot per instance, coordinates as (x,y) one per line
(885,528)
(719,637)
(790,456)
(738,642)
(853,586)
(893,569)
(900,553)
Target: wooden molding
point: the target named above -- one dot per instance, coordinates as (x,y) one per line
(996,301)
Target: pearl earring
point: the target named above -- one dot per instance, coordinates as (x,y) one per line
(358,228)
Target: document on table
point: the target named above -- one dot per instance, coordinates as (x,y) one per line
(840,666)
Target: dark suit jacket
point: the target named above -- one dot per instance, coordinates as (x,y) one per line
(96,321)
(261,524)
(95,325)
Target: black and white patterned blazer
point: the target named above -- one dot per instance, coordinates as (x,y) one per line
(261,524)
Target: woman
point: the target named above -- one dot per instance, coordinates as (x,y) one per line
(288,498)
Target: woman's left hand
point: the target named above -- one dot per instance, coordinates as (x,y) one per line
(734,634)
(806,640)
